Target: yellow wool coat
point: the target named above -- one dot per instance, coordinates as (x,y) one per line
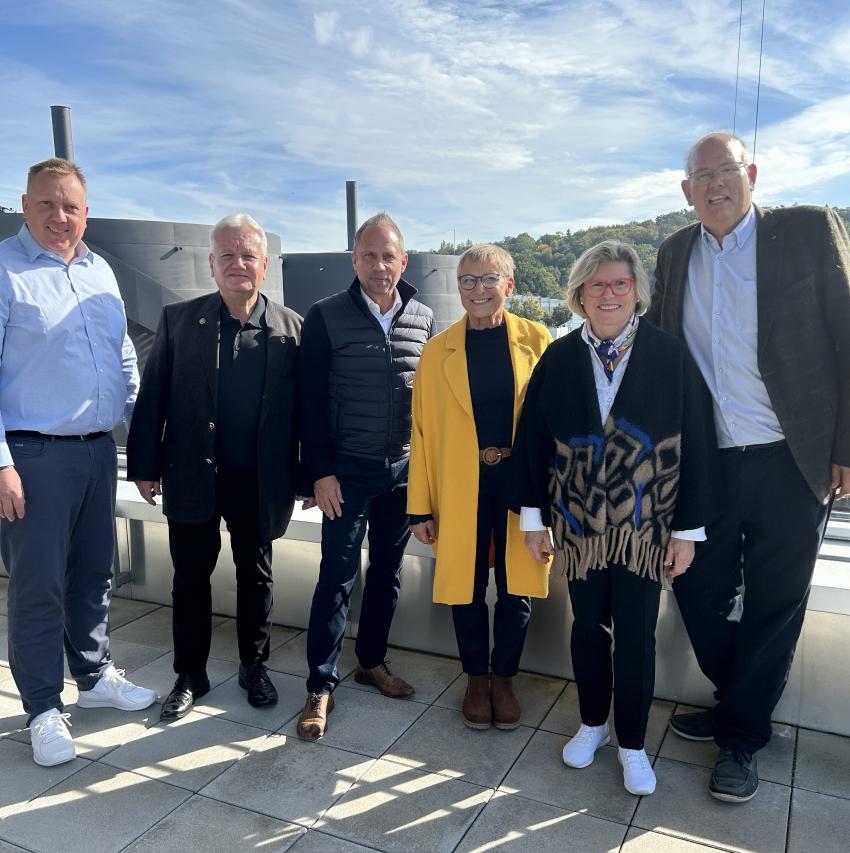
(444,462)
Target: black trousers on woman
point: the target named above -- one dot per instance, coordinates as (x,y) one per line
(631,602)
(511,613)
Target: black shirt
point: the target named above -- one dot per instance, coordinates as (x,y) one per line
(491,385)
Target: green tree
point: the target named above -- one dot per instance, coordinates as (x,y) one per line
(528,308)
(559,315)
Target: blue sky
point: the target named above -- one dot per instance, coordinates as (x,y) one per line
(469,117)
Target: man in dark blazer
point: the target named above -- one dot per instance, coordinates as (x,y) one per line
(214,432)
(762,298)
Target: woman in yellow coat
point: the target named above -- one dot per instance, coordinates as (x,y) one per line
(467,396)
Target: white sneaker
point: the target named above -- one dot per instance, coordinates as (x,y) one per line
(114,691)
(638,775)
(582,746)
(51,740)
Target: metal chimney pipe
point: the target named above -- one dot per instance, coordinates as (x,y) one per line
(351,211)
(63,143)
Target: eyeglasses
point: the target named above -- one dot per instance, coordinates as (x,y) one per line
(619,286)
(728,172)
(469,282)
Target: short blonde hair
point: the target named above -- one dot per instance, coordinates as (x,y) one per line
(57,167)
(590,261)
(488,253)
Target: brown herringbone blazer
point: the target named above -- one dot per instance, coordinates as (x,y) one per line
(803,291)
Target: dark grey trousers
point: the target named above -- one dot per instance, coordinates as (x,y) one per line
(59,559)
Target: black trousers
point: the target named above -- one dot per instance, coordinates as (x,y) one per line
(767,542)
(631,602)
(194,553)
(511,613)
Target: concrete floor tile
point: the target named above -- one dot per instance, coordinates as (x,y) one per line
(536,693)
(289,779)
(682,806)
(517,825)
(97,810)
(317,842)
(364,722)
(540,774)
(439,741)
(189,753)
(153,629)
(775,761)
(430,675)
(643,841)
(212,827)
(818,822)
(823,763)
(291,657)
(403,810)
(125,610)
(226,647)
(230,701)
(22,779)
(5,847)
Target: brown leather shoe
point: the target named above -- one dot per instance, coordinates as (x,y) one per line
(313,722)
(506,709)
(477,710)
(381,677)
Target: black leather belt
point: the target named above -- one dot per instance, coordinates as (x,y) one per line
(752,448)
(28,433)
(493,455)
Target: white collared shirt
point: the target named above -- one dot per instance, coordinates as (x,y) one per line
(386,320)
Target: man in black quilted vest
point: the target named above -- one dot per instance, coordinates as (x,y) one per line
(359,351)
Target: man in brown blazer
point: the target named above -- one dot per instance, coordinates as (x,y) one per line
(214,432)
(762,298)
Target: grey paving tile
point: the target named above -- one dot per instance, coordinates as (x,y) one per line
(682,806)
(565,719)
(202,824)
(430,675)
(22,779)
(363,722)
(5,847)
(514,824)
(289,779)
(823,763)
(396,808)
(128,655)
(190,752)
(317,842)
(159,674)
(153,629)
(64,818)
(439,741)
(124,610)
(540,774)
(230,701)
(291,657)
(818,822)
(536,693)
(644,841)
(225,646)
(775,761)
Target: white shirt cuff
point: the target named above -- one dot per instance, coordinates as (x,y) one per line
(530,519)
(695,535)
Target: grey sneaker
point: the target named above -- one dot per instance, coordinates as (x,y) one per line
(735,778)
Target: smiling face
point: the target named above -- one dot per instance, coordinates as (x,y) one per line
(238,263)
(723,201)
(55,211)
(484,305)
(609,313)
(379,261)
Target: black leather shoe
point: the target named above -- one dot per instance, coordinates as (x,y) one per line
(694,726)
(187,688)
(255,679)
(736,776)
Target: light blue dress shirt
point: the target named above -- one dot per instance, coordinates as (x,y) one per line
(67,365)
(720,323)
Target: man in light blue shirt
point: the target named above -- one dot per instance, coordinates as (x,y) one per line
(67,377)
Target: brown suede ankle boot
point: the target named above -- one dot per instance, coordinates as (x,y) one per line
(506,709)
(477,712)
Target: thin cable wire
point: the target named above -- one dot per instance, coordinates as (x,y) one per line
(758,88)
(738,66)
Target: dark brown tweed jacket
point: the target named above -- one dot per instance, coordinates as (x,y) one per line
(803,288)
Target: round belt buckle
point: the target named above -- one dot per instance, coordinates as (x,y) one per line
(492,455)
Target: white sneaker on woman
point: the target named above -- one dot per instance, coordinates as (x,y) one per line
(112,690)
(51,740)
(638,775)
(582,746)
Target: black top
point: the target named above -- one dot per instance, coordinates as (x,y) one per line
(241,380)
(491,385)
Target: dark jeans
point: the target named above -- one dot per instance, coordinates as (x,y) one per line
(194,553)
(767,539)
(511,613)
(375,494)
(59,559)
(631,602)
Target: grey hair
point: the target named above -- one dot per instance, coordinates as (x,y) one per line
(57,167)
(379,220)
(488,253)
(723,137)
(239,221)
(590,261)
